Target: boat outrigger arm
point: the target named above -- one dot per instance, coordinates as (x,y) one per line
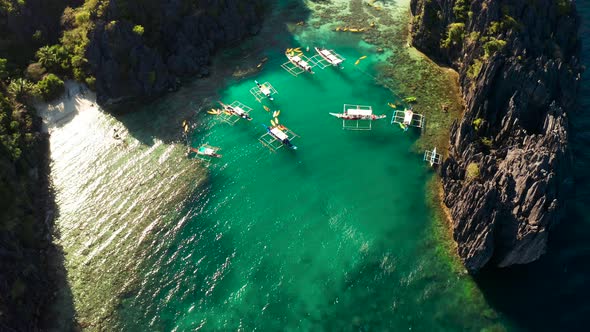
(261,91)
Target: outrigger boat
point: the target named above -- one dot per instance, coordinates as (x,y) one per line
(298,63)
(407,118)
(277,136)
(432,157)
(280,134)
(263,90)
(330,57)
(357,117)
(234,112)
(205,152)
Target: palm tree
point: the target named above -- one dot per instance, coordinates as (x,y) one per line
(21,89)
(47,56)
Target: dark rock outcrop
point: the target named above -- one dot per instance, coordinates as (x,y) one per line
(507,175)
(177,40)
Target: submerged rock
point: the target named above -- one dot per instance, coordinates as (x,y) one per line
(519,73)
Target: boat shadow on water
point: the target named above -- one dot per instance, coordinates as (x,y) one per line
(342,74)
(314,80)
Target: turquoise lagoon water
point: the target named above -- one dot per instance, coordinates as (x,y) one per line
(336,235)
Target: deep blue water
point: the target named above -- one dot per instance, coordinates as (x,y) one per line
(553,294)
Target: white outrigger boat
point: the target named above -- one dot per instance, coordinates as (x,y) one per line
(298,63)
(260,91)
(357,117)
(234,112)
(329,57)
(206,152)
(407,118)
(432,157)
(277,136)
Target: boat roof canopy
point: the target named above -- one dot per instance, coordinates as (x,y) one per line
(206,150)
(408,116)
(357,111)
(279,133)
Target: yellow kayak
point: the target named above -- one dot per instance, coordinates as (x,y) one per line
(266,108)
(392,105)
(363,57)
(357,62)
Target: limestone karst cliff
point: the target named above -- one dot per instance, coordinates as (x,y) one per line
(140,49)
(507,177)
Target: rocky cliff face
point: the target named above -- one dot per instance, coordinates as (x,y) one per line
(141,49)
(507,175)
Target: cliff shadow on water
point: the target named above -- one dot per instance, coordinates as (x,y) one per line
(33,279)
(552,294)
(224,61)
(34,291)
